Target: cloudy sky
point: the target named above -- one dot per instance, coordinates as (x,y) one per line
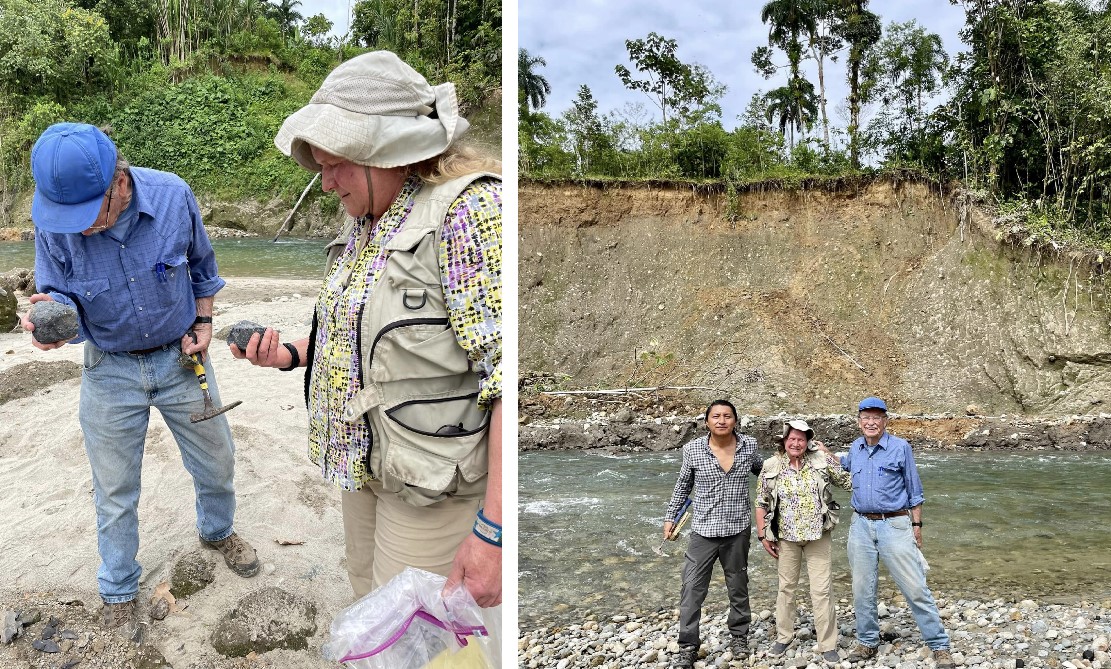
(335,10)
(582,41)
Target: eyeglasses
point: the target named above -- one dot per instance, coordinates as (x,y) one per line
(97,226)
(872,419)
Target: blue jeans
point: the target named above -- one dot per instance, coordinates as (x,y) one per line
(117,392)
(892,541)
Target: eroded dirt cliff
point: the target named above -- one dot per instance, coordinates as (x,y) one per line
(808,300)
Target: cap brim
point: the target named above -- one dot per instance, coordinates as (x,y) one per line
(53,217)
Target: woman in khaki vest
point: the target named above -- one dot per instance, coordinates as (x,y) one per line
(403,380)
(795,517)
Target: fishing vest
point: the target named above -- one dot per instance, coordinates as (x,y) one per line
(419,393)
(830,509)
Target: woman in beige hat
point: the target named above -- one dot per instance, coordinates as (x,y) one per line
(795,517)
(403,379)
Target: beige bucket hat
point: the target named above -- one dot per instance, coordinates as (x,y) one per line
(374,110)
(799,425)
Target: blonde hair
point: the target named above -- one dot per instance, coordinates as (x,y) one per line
(454,162)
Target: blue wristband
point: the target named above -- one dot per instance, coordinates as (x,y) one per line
(487,530)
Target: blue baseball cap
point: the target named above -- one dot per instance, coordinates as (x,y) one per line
(872,403)
(73,165)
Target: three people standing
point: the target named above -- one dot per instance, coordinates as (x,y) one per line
(795,516)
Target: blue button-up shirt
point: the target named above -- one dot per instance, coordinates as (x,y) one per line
(138,289)
(885,478)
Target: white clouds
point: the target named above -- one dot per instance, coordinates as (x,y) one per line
(582,41)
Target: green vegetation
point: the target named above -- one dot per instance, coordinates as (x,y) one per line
(1022,117)
(200,87)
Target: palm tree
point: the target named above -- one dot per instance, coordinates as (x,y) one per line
(788,20)
(795,105)
(532,88)
(861,29)
(286,16)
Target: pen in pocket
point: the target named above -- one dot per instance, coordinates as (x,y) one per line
(160,270)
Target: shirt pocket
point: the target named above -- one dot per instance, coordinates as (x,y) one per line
(173,277)
(95,301)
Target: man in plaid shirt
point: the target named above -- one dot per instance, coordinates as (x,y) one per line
(717,465)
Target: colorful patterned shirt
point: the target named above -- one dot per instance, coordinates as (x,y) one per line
(470,274)
(799,496)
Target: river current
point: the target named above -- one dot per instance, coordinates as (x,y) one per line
(1016,526)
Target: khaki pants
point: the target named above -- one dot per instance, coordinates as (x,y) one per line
(818,556)
(384,535)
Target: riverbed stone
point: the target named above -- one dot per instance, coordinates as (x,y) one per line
(265,620)
(53,321)
(9,318)
(192,573)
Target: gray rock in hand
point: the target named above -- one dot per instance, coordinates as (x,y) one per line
(240,333)
(54,322)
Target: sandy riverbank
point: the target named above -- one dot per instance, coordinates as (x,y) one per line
(48,525)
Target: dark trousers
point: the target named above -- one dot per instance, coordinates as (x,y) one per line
(702,552)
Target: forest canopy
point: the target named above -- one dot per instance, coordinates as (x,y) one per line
(200,87)
(1019,117)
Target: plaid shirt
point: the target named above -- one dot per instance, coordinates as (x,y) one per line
(721,504)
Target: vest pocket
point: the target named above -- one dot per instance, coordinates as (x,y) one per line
(433,448)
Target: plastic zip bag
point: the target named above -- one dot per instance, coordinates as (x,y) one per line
(406,623)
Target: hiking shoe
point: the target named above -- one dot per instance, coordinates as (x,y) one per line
(124,619)
(739,646)
(238,554)
(944,659)
(831,656)
(860,653)
(685,658)
(777,649)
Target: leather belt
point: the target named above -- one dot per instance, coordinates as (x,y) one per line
(881,516)
(144,351)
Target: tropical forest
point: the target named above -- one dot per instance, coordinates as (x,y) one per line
(1019,118)
(200,87)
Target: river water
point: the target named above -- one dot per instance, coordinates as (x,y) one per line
(1031,525)
(288,258)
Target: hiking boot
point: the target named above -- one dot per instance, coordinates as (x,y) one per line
(739,646)
(777,649)
(831,656)
(238,554)
(685,657)
(944,659)
(860,653)
(124,619)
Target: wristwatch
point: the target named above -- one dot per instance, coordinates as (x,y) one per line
(916,524)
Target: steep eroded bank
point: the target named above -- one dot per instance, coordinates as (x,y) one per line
(808,301)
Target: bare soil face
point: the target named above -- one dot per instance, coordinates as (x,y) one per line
(804,303)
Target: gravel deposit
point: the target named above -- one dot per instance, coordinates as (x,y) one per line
(985,634)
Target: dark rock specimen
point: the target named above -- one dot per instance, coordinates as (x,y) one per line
(240,333)
(53,322)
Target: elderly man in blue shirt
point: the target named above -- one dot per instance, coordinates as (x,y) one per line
(887,525)
(126,248)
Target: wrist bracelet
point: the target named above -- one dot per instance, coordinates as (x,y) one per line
(202,319)
(916,524)
(487,530)
(295,360)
